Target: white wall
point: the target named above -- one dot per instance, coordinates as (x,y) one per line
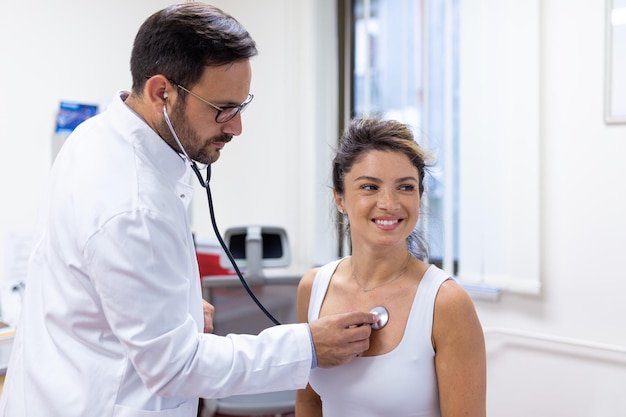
(277,172)
(52,51)
(271,170)
(273,174)
(583,237)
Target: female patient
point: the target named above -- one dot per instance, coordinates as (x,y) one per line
(429,359)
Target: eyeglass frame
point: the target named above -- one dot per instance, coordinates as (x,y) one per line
(240,108)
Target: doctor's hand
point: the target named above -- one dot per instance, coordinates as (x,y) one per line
(340,338)
(209,311)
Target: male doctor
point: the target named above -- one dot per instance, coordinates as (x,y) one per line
(113,317)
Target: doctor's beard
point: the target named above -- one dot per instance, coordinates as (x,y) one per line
(198,149)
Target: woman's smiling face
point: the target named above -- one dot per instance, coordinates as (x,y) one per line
(381,198)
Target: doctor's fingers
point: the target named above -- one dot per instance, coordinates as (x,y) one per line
(356,319)
(329,355)
(348,327)
(337,339)
(209,311)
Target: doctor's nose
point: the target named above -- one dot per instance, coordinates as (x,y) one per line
(234,126)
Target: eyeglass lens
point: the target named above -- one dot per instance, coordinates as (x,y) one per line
(228,112)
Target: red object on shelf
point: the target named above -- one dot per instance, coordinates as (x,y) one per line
(209,264)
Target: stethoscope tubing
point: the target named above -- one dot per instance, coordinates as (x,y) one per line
(205,185)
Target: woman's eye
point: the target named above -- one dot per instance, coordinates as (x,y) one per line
(407,187)
(369,187)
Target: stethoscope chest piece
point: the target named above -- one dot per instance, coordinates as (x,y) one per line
(383,317)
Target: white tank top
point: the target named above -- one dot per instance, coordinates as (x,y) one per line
(400,383)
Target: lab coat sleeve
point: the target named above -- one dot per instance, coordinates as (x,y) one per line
(276,359)
(142,271)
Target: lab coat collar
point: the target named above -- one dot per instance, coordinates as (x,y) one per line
(173,168)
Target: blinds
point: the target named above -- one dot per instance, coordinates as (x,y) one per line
(499,138)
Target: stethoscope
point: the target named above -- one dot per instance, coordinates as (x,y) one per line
(383,314)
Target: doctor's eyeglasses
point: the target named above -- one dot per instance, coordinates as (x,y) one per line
(224,113)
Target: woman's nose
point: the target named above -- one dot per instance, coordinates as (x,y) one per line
(387,200)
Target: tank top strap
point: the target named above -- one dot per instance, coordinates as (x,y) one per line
(419,325)
(319,288)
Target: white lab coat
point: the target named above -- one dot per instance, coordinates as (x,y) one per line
(112,318)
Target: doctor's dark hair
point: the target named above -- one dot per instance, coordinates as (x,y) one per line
(364,135)
(181,40)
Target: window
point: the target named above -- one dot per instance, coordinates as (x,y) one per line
(399,73)
(464,76)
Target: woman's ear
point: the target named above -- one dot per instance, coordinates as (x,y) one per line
(339,202)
